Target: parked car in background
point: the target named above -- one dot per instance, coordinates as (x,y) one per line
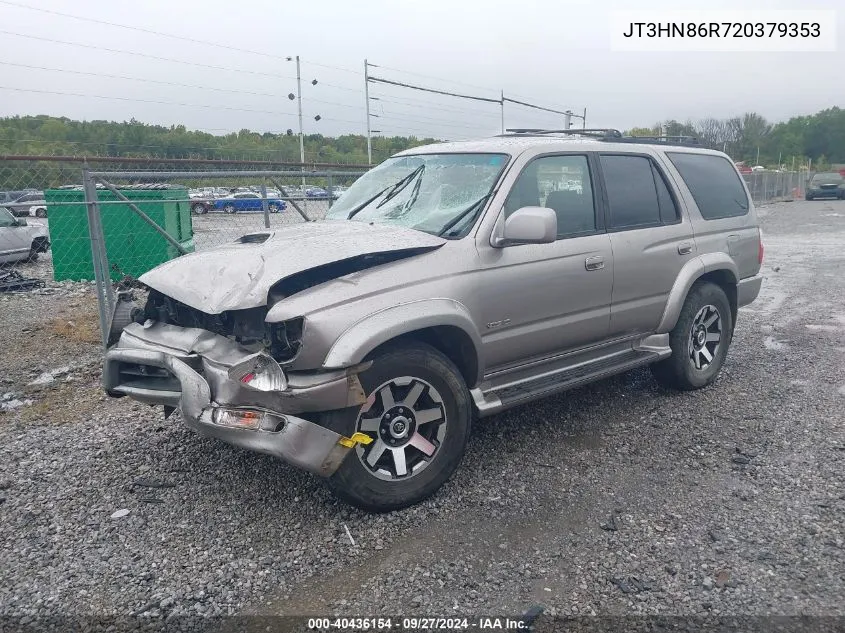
(247,201)
(829,184)
(201,200)
(7,197)
(19,240)
(317,193)
(30,204)
(743,168)
(445,286)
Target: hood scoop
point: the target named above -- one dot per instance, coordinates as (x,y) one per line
(254,238)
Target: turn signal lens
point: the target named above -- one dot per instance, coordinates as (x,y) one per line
(237,419)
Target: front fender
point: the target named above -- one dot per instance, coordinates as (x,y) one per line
(365,335)
(689,274)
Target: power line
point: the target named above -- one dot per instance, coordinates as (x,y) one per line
(449,81)
(153,81)
(432,90)
(426,104)
(188,105)
(156,57)
(530,105)
(181,38)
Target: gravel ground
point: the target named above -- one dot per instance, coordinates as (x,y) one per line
(616,499)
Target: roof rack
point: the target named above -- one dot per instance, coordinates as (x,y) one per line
(661,140)
(610,135)
(591,131)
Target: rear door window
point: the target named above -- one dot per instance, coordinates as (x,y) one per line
(631,191)
(714,184)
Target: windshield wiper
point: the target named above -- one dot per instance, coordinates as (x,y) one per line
(392,189)
(463,214)
(399,186)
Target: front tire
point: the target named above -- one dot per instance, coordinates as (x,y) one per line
(699,340)
(273,208)
(418,414)
(41,213)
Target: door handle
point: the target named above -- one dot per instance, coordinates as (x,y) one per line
(685,248)
(594,263)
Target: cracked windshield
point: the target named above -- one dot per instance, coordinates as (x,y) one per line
(434,193)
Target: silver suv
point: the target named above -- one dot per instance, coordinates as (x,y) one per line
(449,283)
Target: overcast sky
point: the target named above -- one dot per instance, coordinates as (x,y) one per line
(553,53)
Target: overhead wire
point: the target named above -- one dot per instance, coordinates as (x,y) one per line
(146,55)
(141,79)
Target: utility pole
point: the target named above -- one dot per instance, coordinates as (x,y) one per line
(367,99)
(503,110)
(584,120)
(567,120)
(299,107)
(758,156)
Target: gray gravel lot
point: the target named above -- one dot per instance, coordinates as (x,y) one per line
(618,498)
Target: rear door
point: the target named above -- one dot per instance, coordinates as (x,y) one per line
(721,212)
(650,237)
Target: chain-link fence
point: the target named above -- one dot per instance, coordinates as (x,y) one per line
(107,221)
(772,186)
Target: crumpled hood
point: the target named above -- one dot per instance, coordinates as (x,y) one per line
(239,275)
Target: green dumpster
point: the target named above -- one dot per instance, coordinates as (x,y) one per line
(132,245)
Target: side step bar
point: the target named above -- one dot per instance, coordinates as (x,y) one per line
(502,397)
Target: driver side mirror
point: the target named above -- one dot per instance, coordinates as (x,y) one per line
(528,225)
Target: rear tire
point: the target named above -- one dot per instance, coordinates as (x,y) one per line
(697,353)
(229,208)
(273,208)
(416,398)
(33,254)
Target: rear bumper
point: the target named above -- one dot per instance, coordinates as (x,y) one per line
(199,384)
(747,289)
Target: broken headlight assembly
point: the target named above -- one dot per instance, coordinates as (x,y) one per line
(259,372)
(286,339)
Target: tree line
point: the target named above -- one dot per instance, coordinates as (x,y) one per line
(818,137)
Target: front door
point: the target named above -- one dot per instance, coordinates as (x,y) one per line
(540,299)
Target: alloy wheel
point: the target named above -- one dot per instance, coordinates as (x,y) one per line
(407,420)
(705,336)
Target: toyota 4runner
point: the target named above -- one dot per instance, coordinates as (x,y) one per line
(449,283)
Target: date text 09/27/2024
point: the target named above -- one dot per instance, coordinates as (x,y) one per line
(417,624)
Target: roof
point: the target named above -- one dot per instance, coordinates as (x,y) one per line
(516,144)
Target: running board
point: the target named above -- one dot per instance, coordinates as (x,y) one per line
(548,383)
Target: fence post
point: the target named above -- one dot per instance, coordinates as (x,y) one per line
(99,257)
(264,206)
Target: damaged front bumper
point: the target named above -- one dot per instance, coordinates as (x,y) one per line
(192,369)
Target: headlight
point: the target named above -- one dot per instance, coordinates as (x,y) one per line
(259,372)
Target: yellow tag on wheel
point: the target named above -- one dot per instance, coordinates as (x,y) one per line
(357,438)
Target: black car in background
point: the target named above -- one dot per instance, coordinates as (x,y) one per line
(826,185)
